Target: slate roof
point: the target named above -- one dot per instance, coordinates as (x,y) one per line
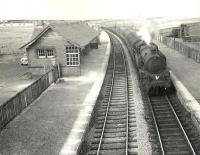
(79,34)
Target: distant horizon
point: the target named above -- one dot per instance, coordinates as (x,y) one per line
(97,9)
(167,18)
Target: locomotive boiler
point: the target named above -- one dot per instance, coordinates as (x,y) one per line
(153,71)
(151,64)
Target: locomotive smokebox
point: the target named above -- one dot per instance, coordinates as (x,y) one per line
(154,64)
(154,60)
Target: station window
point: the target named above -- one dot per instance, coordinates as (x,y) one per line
(45,53)
(50,53)
(72,54)
(41,53)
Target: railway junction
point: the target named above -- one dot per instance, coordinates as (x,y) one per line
(105,110)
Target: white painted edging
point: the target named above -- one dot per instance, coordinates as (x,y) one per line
(76,135)
(187,100)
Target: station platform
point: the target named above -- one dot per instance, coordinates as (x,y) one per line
(185,69)
(47,125)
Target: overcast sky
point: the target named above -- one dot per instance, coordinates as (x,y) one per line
(96,9)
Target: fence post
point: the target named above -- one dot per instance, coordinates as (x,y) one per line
(59,73)
(174,43)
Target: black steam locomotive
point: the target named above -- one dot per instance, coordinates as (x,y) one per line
(151,64)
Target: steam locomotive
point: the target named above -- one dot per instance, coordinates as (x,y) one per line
(150,62)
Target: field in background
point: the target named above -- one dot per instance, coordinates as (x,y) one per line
(14,36)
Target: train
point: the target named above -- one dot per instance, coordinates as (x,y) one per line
(150,62)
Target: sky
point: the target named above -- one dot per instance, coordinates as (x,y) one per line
(97,9)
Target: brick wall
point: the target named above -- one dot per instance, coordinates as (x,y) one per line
(50,39)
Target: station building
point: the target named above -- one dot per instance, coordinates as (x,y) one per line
(60,43)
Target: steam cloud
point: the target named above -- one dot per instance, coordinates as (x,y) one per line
(144,32)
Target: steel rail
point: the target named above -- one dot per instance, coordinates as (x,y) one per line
(109,99)
(180,125)
(156,126)
(127,101)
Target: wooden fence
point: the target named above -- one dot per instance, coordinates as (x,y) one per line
(21,100)
(185,49)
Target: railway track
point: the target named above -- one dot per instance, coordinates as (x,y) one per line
(115,129)
(172,137)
